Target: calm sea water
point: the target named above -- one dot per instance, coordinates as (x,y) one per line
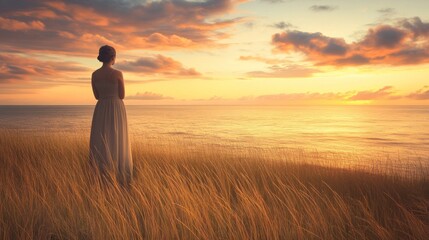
(399,133)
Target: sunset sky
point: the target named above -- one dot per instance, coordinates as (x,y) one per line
(218,51)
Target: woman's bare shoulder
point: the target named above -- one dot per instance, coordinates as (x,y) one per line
(117,73)
(96,72)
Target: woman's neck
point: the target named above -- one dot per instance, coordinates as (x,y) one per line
(106,65)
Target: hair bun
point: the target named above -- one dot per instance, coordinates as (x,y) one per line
(106,53)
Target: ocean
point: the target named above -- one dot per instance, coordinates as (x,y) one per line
(398,135)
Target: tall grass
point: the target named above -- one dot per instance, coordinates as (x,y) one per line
(48,191)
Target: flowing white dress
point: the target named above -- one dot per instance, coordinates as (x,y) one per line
(110,148)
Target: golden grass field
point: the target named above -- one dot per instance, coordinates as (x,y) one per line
(49,192)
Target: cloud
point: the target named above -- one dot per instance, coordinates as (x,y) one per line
(157,64)
(79,27)
(421,94)
(387,11)
(356,59)
(262,59)
(15,25)
(282,25)
(279,68)
(20,74)
(353,97)
(281,98)
(275,99)
(384,37)
(20,71)
(301,96)
(148,96)
(416,27)
(405,43)
(313,44)
(383,93)
(282,71)
(322,8)
(15,68)
(386,15)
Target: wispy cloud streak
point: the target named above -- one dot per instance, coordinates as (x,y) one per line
(148,96)
(322,8)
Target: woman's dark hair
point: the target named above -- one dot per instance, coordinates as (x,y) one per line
(106,53)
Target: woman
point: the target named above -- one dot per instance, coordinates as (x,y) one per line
(110,149)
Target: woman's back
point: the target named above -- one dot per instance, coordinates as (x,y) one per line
(107,83)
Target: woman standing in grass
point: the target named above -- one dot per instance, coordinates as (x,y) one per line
(110,149)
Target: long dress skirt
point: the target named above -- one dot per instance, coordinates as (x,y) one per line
(110,148)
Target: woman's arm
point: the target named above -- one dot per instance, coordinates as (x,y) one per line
(121,87)
(94,90)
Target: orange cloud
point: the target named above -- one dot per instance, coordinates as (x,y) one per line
(15,25)
(278,69)
(37,13)
(148,96)
(402,44)
(18,71)
(301,96)
(80,13)
(291,71)
(383,93)
(15,68)
(421,94)
(79,27)
(89,39)
(159,65)
(262,59)
(212,26)
(160,41)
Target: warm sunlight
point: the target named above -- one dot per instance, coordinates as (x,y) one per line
(212,50)
(214,119)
